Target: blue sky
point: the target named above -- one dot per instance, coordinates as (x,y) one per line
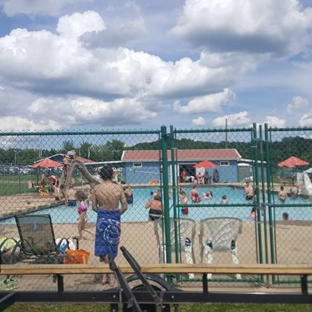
(91,64)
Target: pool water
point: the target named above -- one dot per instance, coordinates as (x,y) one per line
(137,213)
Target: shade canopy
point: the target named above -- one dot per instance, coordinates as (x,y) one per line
(47,163)
(292,162)
(205,164)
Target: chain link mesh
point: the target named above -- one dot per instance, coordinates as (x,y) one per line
(203,176)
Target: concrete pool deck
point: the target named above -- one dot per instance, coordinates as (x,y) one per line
(15,204)
(293,242)
(139,239)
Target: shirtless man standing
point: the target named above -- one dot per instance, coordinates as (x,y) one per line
(282,194)
(66,165)
(105,202)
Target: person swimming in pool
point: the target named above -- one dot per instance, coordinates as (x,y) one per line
(224,200)
(249,191)
(194,195)
(208,195)
(282,194)
(183,200)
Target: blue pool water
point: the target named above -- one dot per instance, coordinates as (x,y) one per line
(137,213)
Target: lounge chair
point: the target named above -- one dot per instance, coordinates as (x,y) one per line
(185,229)
(219,235)
(37,240)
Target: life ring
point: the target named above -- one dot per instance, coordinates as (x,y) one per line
(153,182)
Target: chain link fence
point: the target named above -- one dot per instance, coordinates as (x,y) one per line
(288,203)
(198,175)
(212,168)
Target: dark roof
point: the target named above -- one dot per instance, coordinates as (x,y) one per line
(186,155)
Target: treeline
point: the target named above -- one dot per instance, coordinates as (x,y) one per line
(280,150)
(112,150)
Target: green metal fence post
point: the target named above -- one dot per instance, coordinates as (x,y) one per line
(263,197)
(174,195)
(256,181)
(164,148)
(267,147)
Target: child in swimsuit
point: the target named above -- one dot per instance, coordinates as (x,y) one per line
(82,211)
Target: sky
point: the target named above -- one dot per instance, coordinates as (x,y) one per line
(95,65)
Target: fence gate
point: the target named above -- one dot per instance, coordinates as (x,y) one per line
(289,218)
(232,159)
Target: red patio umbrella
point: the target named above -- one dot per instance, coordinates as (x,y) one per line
(292,162)
(47,163)
(205,164)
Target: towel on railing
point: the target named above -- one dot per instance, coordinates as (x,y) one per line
(107,235)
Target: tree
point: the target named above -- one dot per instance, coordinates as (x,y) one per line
(68,146)
(85,150)
(114,149)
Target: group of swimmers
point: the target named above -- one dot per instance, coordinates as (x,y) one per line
(293,192)
(47,184)
(195,196)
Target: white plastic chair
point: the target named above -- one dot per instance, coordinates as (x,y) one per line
(219,235)
(185,236)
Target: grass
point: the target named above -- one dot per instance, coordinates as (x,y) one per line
(215,307)
(15,184)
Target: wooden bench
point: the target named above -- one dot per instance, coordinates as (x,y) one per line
(171,296)
(256,269)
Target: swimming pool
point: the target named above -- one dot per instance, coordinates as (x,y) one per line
(137,213)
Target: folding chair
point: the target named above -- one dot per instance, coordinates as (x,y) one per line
(37,241)
(185,235)
(219,235)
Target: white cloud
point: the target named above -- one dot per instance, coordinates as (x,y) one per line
(83,111)
(276,27)
(274,121)
(235,120)
(298,105)
(23,124)
(306,119)
(207,104)
(199,122)
(116,66)
(233,63)
(69,68)
(78,24)
(117,34)
(35,7)
(186,78)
